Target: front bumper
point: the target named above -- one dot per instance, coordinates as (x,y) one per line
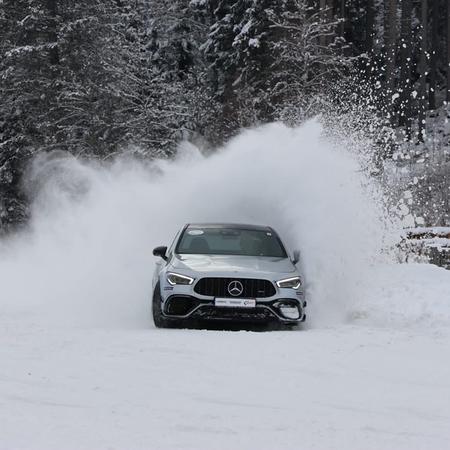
(284,310)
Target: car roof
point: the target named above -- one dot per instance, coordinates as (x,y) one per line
(239,226)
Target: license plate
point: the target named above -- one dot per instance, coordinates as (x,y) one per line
(235,302)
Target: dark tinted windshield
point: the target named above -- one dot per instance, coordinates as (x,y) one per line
(230,241)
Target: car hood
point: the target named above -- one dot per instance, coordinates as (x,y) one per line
(244,265)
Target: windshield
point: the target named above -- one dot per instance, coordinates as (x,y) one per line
(230,241)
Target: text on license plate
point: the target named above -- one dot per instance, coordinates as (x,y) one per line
(236,302)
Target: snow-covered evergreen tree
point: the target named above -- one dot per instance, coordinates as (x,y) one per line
(29,63)
(268,56)
(175,102)
(92,77)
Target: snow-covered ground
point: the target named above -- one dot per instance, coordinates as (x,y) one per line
(349,386)
(81,366)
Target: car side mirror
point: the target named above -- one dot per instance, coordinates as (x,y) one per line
(161,252)
(296,256)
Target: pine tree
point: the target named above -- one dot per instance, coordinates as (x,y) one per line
(62,68)
(176,101)
(266,56)
(29,65)
(303,68)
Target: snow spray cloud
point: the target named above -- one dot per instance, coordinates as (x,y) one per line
(87,258)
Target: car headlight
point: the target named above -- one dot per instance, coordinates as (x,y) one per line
(294,283)
(176,278)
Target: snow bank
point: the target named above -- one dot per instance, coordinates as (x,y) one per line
(87,258)
(406,296)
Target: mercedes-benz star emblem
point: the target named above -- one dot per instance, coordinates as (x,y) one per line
(235,288)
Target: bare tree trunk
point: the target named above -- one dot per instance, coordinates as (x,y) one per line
(390,25)
(448,52)
(423,69)
(370,23)
(326,16)
(434,53)
(323,18)
(343,17)
(405,66)
(52,9)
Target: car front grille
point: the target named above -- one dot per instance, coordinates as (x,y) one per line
(236,314)
(251,288)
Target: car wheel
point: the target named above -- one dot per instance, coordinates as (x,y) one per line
(159,320)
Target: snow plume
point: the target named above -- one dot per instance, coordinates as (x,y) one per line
(86,259)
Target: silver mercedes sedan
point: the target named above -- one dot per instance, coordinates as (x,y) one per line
(227,272)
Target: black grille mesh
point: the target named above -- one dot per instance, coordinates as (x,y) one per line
(238,314)
(180,305)
(218,287)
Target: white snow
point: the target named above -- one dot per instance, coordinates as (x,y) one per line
(437,237)
(413,297)
(254,42)
(342,387)
(83,368)
(438,231)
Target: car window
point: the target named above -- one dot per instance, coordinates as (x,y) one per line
(171,249)
(230,241)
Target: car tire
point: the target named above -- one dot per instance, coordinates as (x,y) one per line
(158,319)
